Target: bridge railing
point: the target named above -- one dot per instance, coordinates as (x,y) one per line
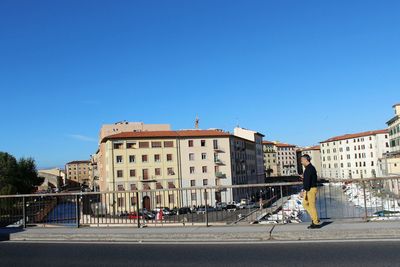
(269,203)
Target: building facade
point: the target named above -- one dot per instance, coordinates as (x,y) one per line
(315,153)
(270,159)
(287,159)
(353,155)
(187,159)
(79,172)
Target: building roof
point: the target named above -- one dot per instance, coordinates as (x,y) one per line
(79,161)
(166,134)
(283,145)
(268,142)
(311,148)
(277,144)
(356,135)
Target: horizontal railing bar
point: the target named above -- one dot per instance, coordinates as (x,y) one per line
(203,188)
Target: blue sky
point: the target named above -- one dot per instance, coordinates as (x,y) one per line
(297,71)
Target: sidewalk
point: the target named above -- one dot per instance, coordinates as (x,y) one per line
(250,233)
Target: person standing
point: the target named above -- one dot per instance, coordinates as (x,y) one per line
(310,191)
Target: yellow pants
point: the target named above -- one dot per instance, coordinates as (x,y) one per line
(309,200)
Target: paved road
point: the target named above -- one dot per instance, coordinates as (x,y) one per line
(282,254)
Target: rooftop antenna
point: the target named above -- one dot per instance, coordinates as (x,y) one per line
(196,123)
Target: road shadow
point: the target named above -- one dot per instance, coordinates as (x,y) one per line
(323,224)
(6,232)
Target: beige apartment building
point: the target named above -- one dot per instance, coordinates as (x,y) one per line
(270,159)
(354,155)
(256,145)
(106,130)
(188,159)
(287,159)
(141,161)
(390,162)
(315,153)
(79,172)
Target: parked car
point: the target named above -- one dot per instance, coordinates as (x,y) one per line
(221,206)
(231,208)
(202,210)
(251,205)
(142,214)
(184,210)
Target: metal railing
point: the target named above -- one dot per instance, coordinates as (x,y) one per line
(372,198)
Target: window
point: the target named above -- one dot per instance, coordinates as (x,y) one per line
(120,201)
(132,173)
(191,170)
(155,144)
(168,143)
(120,173)
(203,155)
(119,159)
(194,196)
(133,201)
(118,146)
(120,187)
(204,169)
(157,171)
(203,142)
(133,187)
(145,174)
(169,157)
(190,143)
(170,171)
(144,158)
(158,199)
(143,144)
(205,182)
(192,182)
(191,156)
(131,158)
(157,158)
(130,145)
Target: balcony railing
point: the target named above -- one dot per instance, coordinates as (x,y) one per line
(220,175)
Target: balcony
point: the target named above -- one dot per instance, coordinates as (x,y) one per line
(219,162)
(220,175)
(218,149)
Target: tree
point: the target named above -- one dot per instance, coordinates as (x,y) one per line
(18,177)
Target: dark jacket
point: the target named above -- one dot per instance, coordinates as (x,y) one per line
(309,177)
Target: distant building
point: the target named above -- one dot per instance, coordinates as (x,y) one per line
(257,139)
(53,178)
(125,126)
(79,172)
(315,153)
(179,159)
(270,159)
(353,155)
(287,159)
(390,162)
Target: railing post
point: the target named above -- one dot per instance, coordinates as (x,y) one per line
(365,203)
(283,213)
(23,212)
(206,208)
(77,209)
(137,209)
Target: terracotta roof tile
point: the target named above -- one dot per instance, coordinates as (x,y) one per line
(356,135)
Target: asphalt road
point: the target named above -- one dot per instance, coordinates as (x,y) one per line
(282,254)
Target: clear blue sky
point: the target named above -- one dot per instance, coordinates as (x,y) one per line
(297,71)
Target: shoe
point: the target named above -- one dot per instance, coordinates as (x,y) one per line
(314,226)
